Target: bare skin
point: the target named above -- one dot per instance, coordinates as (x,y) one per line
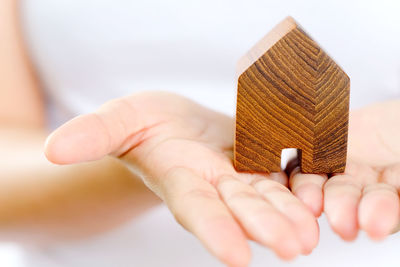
(183,153)
(39,201)
(366,196)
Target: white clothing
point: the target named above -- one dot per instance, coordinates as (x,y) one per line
(88,52)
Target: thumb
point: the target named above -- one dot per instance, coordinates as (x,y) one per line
(113,129)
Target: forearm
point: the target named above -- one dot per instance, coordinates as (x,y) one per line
(21,102)
(50,201)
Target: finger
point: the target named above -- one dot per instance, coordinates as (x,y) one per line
(114,127)
(197,207)
(341,198)
(309,189)
(262,222)
(304,222)
(391,175)
(379,210)
(279,177)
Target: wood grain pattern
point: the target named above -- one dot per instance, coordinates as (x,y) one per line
(291,94)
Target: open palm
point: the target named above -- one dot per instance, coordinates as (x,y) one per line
(366,196)
(183,152)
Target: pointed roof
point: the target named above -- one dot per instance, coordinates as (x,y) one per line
(279,31)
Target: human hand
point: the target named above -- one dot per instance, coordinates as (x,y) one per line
(366,196)
(183,152)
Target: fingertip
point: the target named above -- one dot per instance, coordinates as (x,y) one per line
(377,230)
(275,231)
(226,240)
(48,149)
(377,233)
(309,233)
(348,234)
(288,245)
(312,197)
(54,149)
(289,249)
(76,141)
(347,229)
(241,258)
(379,214)
(342,216)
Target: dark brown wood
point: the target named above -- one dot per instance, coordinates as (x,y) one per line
(291,94)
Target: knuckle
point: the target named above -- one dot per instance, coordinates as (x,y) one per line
(379,188)
(226,182)
(200,194)
(242,195)
(342,182)
(391,175)
(270,187)
(120,106)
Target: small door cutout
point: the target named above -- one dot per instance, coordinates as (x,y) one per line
(288,154)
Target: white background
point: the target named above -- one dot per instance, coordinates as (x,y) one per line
(90,51)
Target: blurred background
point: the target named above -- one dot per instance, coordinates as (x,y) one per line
(87,52)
